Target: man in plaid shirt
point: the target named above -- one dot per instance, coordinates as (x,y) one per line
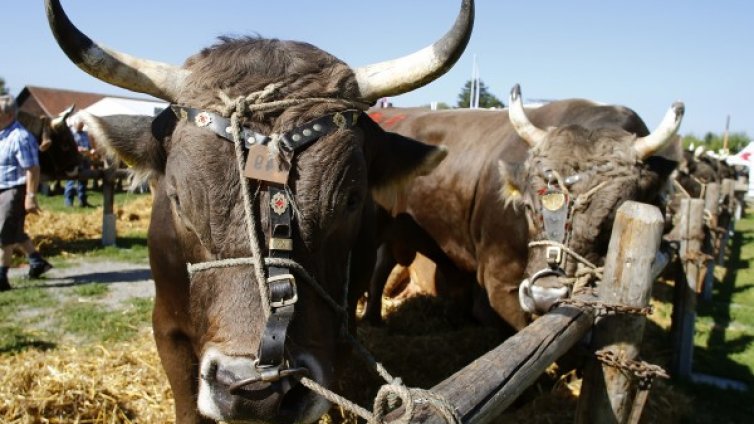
(19,179)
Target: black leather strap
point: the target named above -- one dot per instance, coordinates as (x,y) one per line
(293,140)
(281,284)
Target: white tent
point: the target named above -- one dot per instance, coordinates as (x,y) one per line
(745,158)
(742,158)
(121,106)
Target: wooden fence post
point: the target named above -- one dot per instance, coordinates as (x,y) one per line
(712,214)
(691,232)
(725,218)
(607,393)
(740,190)
(108,199)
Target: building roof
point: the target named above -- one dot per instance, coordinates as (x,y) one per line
(52,101)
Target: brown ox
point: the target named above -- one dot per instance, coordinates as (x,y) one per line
(58,154)
(217,329)
(482,206)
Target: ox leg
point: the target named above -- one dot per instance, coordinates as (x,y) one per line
(385,263)
(403,239)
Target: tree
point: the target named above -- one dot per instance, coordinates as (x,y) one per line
(712,141)
(3,89)
(486,99)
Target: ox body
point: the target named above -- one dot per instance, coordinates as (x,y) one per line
(482,207)
(259,248)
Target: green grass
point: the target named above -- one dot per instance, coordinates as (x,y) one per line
(56,203)
(97,323)
(17,314)
(130,246)
(723,338)
(725,326)
(92,290)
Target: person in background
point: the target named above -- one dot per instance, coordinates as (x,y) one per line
(19,179)
(78,187)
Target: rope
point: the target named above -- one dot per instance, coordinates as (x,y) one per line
(256,252)
(583,277)
(583,198)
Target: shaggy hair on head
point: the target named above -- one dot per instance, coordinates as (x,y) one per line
(241,66)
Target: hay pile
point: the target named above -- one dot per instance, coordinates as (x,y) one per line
(66,233)
(119,383)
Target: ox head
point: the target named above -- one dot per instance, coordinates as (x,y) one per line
(58,154)
(192,160)
(571,185)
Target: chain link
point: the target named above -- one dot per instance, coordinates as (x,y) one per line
(697,257)
(641,370)
(601,309)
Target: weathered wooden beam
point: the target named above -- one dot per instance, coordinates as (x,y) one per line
(607,393)
(691,225)
(486,387)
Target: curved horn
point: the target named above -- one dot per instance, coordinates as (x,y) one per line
(525,129)
(406,73)
(158,79)
(646,146)
(63,116)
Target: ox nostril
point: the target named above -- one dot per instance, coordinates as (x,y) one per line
(210,373)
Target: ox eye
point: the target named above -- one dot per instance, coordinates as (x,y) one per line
(174,200)
(353,201)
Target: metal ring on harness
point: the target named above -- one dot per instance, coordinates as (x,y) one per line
(525,288)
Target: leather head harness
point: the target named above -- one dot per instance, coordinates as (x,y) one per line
(272,170)
(557,207)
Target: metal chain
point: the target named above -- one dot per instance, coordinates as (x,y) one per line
(601,309)
(698,258)
(643,371)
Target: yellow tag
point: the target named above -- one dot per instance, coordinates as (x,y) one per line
(260,165)
(553,201)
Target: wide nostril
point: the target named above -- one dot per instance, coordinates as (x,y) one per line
(210,375)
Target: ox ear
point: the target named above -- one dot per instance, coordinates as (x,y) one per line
(394,160)
(130,139)
(513,178)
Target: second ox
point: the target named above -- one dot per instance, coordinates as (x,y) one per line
(526,198)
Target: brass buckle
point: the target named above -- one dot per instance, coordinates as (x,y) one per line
(284,302)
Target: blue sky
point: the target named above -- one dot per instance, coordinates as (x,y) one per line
(640,53)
